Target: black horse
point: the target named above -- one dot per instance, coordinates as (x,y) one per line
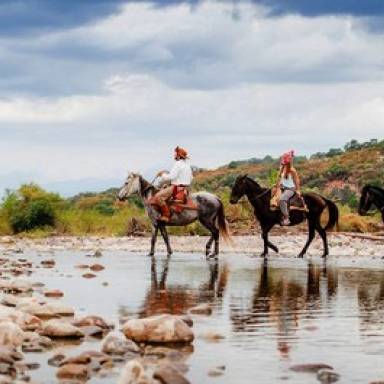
(260,199)
(371,195)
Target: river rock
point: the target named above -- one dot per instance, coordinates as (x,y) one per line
(327,376)
(133,373)
(24,320)
(11,334)
(168,374)
(53,309)
(96,267)
(310,367)
(73,372)
(16,286)
(60,329)
(56,360)
(116,344)
(89,275)
(217,371)
(92,321)
(92,330)
(49,263)
(53,293)
(202,309)
(158,329)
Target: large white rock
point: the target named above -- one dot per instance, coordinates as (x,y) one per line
(116,344)
(57,329)
(11,334)
(158,329)
(24,320)
(47,309)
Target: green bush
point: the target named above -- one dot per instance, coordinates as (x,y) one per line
(30,207)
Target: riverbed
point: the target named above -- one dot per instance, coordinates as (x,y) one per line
(267,316)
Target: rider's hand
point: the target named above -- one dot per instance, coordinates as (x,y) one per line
(298,193)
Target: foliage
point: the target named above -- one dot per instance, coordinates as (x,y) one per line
(30,207)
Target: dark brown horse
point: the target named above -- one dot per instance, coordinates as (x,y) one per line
(371,195)
(260,199)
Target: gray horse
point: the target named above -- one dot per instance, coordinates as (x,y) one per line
(209,211)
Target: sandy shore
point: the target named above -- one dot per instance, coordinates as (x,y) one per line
(289,245)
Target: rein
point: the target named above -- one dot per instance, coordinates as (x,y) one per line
(262,193)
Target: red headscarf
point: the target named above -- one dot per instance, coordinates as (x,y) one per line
(181,152)
(287,157)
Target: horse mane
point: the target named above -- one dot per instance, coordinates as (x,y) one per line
(254,182)
(146,185)
(374,188)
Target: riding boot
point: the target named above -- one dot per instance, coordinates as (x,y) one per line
(165,212)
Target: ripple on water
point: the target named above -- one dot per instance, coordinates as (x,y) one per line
(272,316)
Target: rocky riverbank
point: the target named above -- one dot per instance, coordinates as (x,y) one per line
(340,244)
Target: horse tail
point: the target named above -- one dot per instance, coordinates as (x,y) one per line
(333,219)
(223,225)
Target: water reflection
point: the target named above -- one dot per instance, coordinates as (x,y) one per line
(178,298)
(281,298)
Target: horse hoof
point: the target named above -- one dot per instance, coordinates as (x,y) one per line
(264,255)
(150,254)
(324,255)
(300,256)
(212,256)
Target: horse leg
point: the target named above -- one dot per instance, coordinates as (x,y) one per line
(210,225)
(164,233)
(311,235)
(155,230)
(267,243)
(323,234)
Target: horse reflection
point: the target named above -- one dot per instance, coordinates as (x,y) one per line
(280,298)
(179,298)
(370,293)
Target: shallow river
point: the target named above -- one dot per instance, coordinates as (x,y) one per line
(272,315)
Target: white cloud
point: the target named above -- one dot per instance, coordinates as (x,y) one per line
(225,87)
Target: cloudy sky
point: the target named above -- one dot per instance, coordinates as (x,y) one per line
(90,89)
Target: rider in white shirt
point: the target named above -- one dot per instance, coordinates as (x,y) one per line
(180,177)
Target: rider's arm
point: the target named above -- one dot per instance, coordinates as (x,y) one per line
(173,174)
(279,177)
(296,180)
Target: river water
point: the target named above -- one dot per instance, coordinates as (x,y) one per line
(272,315)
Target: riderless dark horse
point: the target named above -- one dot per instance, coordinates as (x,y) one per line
(260,199)
(371,195)
(208,210)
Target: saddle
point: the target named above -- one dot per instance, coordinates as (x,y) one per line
(295,203)
(180,200)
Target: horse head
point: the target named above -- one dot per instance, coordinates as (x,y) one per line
(238,189)
(365,201)
(131,186)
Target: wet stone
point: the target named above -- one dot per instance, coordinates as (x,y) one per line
(53,293)
(217,371)
(73,372)
(96,267)
(92,321)
(89,275)
(168,374)
(311,367)
(327,376)
(116,344)
(56,360)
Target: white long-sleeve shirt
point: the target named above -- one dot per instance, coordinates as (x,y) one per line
(180,174)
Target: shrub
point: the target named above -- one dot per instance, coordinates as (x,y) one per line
(30,207)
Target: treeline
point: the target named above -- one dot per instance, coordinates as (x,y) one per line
(338,174)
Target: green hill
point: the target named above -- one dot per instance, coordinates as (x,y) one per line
(338,174)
